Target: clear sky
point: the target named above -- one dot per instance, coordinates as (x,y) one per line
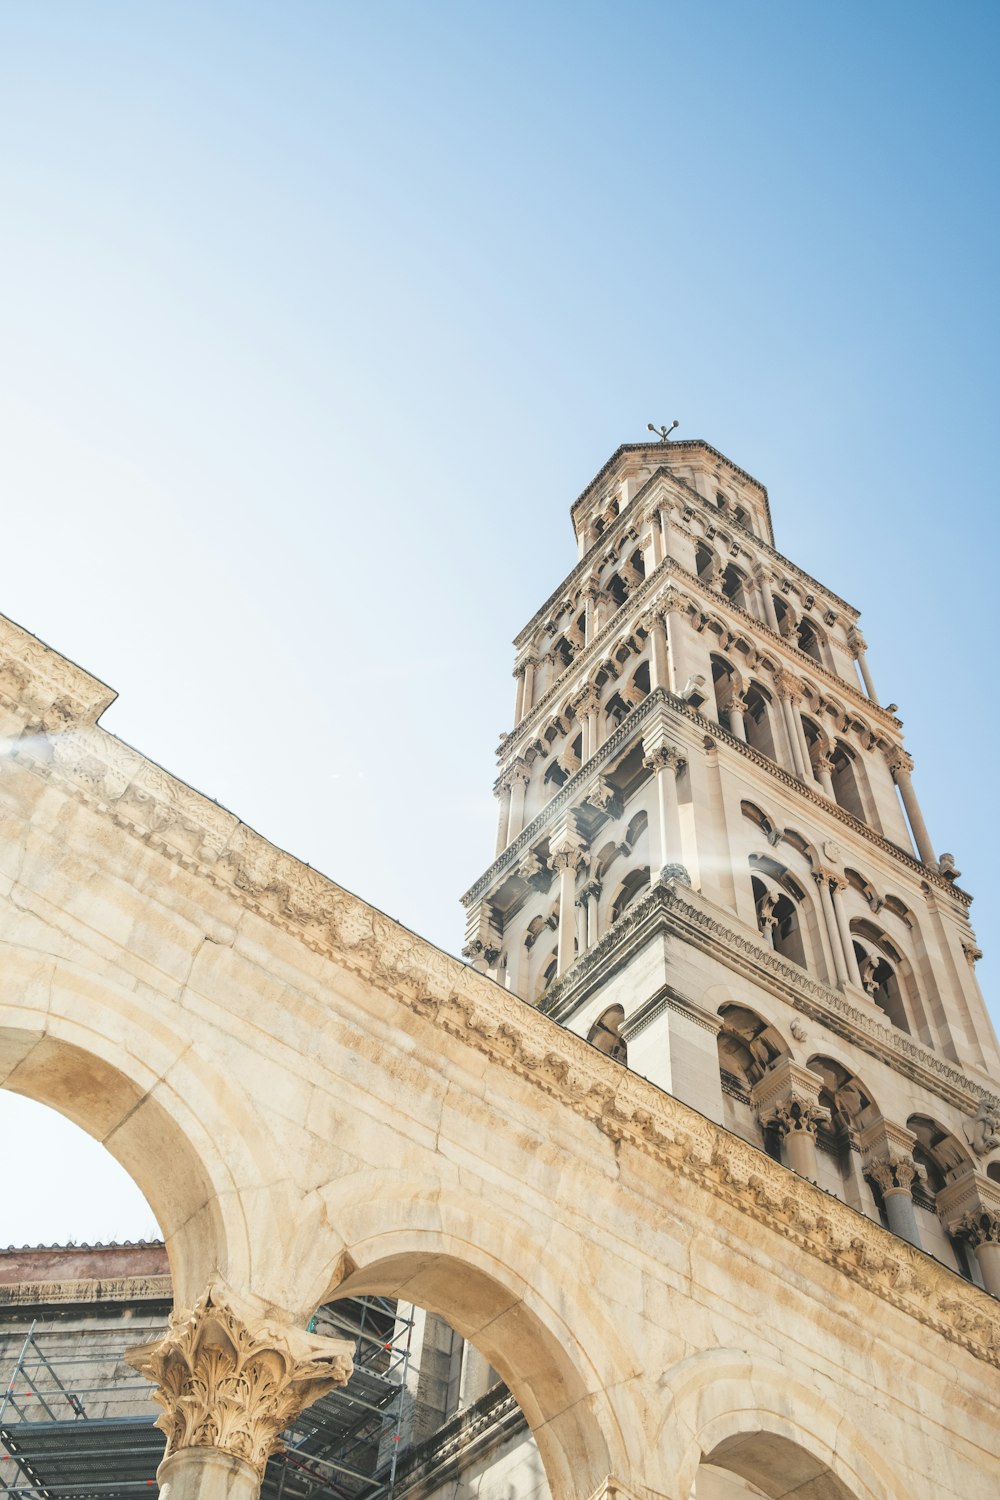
(315,318)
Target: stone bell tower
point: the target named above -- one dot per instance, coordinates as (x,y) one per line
(712,864)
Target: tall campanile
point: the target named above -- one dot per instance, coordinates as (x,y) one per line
(711,861)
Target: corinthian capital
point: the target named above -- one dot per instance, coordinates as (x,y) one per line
(664,758)
(235,1384)
(900,763)
(788,686)
(892,1174)
(981,1227)
(856,643)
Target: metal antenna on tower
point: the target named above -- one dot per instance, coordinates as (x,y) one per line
(663,432)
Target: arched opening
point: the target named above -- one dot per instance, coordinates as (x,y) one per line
(706,563)
(765,1464)
(941,1158)
(734,586)
(725,684)
(475,1299)
(881,966)
(846,790)
(605,1034)
(758,721)
(777,916)
(631,887)
(747,1046)
(808,639)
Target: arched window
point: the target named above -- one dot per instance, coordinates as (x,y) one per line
(706,563)
(554,776)
(636,828)
(722,681)
(547,976)
(809,642)
(734,586)
(634,883)
(758,721)
(777,915)
(880,964)
(846,790)
(605,1034)
(747,1046)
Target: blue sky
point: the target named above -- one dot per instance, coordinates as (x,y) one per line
(316,318)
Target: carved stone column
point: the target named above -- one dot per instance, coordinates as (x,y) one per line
(970,1208)
(229,1386)
(658,664)
(857,645)
(901,765)
(770,615)
(519,775)
(822,879)
(736,708)
(887,1161)
(665,761)
(587,707)
(788,694)
(592,895)
(787,1096)
(894,1178)
(503,816)
(837,886)
(566,850)
(823,770)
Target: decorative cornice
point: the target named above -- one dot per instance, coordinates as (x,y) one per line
(87,1291)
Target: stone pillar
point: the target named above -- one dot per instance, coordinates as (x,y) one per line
(901,765)
(838,885)
(566,850)
(527,686)
(770,615)
(895,1177)
(969,1207)
(788,1096)
(982,1230)
(229,1386)
(736,709)
(592,896)
(664,518)
(824,775)
(857,645)
(587,707)
(673,614)
(665,761)
(822,880)
(503,821)
(519,776)
(658,665)
(651,548)
(788,693)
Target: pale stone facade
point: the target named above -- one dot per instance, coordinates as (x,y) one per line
(704,870)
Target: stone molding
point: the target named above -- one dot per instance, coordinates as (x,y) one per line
(228,1383)
(87,1291)
(449,995)
(667,998)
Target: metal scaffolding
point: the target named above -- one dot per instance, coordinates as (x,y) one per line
(76,1422)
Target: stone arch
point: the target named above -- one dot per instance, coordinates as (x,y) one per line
(86,1047)
(500,1286)
(722,1396)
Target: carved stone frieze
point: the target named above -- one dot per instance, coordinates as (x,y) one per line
(226,1382)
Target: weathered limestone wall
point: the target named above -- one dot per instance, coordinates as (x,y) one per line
(314,1100)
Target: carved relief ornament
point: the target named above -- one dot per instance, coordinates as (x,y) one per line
(236,1385)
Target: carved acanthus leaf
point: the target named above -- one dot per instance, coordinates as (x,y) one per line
(227,1383)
